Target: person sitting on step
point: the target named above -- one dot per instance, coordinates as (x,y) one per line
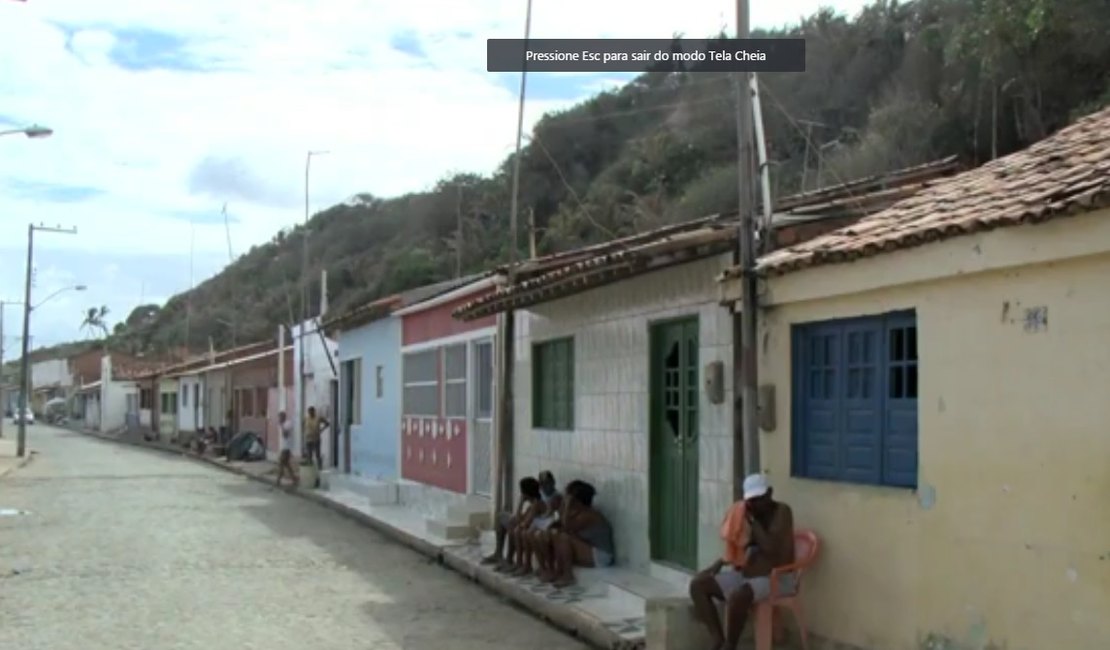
(510,525)
(582,537)
(529,537)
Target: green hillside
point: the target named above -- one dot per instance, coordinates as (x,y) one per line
(897,85)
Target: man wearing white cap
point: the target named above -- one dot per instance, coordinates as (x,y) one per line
(770,525)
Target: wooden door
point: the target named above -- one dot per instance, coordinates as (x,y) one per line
(674,430)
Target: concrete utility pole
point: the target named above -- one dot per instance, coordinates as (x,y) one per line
(25,366)
(301,406)
(3,402)
(749,461)
(503,360)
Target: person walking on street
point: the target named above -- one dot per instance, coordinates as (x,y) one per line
(313,428)
(285,458)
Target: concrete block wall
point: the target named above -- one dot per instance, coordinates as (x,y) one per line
(609,445)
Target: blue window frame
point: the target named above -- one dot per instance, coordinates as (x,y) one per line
(855,400)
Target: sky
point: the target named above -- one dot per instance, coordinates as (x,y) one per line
(163,113)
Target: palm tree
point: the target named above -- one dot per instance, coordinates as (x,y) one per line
(95,321)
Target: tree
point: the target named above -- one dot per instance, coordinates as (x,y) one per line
(95,321)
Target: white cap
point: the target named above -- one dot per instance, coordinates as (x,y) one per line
(756,486)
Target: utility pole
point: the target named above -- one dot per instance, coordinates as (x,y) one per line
(25,366)
(749,462)
(304,296)
(458,233)
(503,486)
(3,402)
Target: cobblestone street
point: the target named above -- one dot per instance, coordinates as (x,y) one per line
(126,548)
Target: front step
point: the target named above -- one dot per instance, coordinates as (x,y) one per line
(452,530)
(476,519)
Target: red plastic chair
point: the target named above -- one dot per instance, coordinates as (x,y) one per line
(805,553)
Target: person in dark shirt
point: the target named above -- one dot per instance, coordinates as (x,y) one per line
(582,537)
(510,526)
(771,528)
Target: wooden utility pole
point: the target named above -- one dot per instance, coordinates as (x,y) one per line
(746,454)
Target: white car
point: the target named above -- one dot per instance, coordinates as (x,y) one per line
(28,417)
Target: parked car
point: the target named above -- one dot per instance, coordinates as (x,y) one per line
(28,417)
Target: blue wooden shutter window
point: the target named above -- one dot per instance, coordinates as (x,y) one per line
(855,400)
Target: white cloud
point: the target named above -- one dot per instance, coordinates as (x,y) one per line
(291,75)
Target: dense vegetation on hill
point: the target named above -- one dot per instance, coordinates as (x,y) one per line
(899,84)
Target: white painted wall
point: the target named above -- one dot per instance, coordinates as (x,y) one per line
(50,372)
(609,446)
(318,376)
(113,398)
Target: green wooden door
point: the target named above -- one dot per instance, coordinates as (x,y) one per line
(674,442)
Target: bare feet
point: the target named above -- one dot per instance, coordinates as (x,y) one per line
(546,576)
(563,581)
(521,571)
(504,567)
(492,559)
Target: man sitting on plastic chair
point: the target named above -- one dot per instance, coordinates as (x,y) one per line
(767,528)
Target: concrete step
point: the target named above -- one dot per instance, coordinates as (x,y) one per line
(453,530)
(477,519)
(379,493)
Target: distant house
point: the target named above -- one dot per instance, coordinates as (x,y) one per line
(106,404)
(319,375)
(940,411)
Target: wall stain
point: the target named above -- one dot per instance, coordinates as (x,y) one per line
(940,405)
(927,497)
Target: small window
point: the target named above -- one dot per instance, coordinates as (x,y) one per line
(379,380)
(553,384)
(184,395)
(246,402)
(146,399)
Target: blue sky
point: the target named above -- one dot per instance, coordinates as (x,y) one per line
(165,112)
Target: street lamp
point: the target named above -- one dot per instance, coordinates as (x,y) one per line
(24,366)
(34,131)
(76,287)
(12,303)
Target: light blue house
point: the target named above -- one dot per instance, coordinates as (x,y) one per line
(369,342)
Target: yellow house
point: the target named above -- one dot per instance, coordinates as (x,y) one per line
(941,373)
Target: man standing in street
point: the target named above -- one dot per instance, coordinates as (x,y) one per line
(285,458)
(313,428)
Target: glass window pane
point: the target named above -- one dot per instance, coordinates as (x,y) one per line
(421,366)
(454,399)
(485,380)
(454,362)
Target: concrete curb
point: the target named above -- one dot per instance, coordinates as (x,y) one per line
(584,627)
(20,465)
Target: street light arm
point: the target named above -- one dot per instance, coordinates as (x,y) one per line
(79,287)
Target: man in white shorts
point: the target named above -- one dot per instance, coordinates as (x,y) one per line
(771,526)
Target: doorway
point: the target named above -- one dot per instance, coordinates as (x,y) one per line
(673,469)
(334,429)
(481,440)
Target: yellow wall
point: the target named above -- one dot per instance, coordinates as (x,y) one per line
(1007,540)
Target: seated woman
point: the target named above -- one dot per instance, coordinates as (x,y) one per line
(529,538)
(509,524)
(582,537)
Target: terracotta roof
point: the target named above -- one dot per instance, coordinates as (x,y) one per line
(561,274)
(1064,174)
(200,361)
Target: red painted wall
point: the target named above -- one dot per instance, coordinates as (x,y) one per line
(433,451)
(437,322)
